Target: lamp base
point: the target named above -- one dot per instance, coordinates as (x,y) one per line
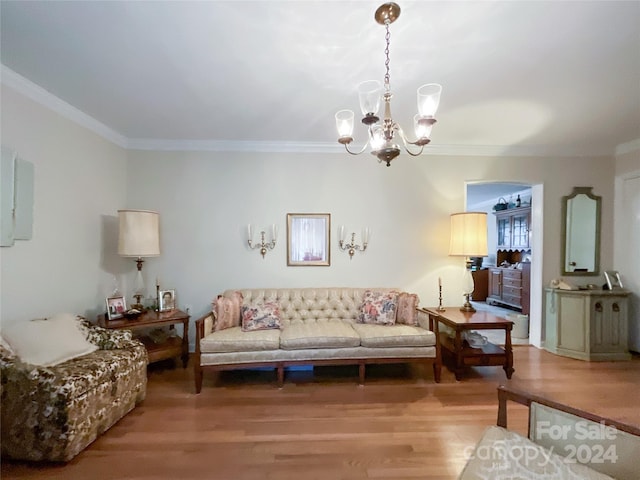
(467,307)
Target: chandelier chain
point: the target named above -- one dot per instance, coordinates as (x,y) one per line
(386,63)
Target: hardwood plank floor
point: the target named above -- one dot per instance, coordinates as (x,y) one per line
(322,425)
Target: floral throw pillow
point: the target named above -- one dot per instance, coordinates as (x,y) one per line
(407,304)
(379,308)
(227,311)
(260,316)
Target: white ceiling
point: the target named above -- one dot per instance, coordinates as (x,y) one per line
(550,78)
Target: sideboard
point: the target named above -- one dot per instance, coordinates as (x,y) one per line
(588,324)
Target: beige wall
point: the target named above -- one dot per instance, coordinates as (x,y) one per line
(79,184)
(206,200)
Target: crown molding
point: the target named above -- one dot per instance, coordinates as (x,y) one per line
(41,96)
(628,147)
(326,147)
(231,146)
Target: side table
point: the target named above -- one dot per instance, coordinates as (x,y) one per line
(463,354)
(171,347)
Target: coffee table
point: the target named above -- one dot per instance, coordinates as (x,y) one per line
(462,353)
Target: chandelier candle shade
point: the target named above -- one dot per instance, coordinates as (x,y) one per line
(382,135)
(139,236)
(468,239)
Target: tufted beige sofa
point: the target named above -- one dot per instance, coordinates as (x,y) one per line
(318,328)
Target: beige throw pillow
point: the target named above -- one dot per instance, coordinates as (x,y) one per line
(407,304)
(48,341)
(227,311)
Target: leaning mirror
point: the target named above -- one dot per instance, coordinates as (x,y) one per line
(581,232)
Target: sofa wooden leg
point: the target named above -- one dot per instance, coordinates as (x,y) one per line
(198,378)
(437,371)
(361,372)
(280,370)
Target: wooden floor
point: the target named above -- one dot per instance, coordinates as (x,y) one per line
(321,425)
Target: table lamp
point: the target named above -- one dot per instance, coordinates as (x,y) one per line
(468,239)
(139,237)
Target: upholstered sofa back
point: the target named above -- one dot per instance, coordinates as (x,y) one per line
(310,304)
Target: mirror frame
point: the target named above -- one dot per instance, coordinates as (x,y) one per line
(565,200)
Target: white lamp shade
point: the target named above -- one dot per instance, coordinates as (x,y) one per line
(469,234)
(139,233)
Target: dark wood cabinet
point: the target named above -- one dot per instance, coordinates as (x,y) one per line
(509,286)
(495,283)
(480,285)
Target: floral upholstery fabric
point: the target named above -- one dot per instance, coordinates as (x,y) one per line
(260,316)
(379,307)
(53,413)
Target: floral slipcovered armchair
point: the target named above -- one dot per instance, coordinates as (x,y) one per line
(52,413)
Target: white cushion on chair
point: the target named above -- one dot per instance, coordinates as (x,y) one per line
(48,341)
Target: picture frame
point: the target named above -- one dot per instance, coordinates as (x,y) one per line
(166,300)
(308,239)
(116,306)
(613,279)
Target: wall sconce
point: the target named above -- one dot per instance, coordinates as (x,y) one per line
(139,236)
(468,239)
(263,245)
(352,246)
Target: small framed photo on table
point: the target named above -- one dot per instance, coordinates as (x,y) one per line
(116,306)
(613,279)
(166,300)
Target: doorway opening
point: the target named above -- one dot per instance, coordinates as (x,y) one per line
(509,279)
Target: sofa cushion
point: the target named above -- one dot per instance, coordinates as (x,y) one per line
(381,336)
(48,342)
(407,304)
(378,307)
(318,334)
(227,311)
(501,453)
(235,340)
(260,316)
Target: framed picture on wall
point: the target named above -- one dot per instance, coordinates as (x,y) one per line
(308,237)
(613,279)
(116,306)
(166,300)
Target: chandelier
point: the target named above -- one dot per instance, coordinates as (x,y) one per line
(382,136)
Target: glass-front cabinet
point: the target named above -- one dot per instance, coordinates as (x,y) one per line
(513,228)
(504,232)
(520,234)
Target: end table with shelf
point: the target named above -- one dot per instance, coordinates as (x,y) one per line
(461,353)
(171,347)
